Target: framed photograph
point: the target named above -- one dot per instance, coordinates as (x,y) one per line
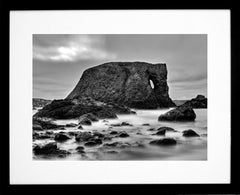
(120,97)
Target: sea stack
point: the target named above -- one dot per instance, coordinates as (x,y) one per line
(133,84)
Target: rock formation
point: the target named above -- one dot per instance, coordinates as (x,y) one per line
(199,102)
(127,83)
(180,113)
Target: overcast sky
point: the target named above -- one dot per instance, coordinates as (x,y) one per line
(59,60)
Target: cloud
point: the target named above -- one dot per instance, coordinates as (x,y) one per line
(70,48)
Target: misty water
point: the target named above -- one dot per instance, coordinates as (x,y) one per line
(136,146)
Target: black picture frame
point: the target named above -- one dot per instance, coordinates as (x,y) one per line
(232,188)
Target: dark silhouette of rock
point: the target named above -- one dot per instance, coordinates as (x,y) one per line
(121,124)
(84,120)
(126,83)
(123,134)
(164,142)
(145,124)
(163,130)
(190,133)
(80,127)
(180,113)
(44,123)
(80,149)
(60,137)
(50,149)
(93,142)
(69,109)
(113,133)
(199,102)
(83,136)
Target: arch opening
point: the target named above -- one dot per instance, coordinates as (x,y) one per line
(151,83)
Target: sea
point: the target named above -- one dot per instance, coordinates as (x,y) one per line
(136,146)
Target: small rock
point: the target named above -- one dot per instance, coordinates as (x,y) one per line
(180,113)
(145,124)
(83,136)
(113,133)
(61,137)
(123,134)
(164,142)
(80,127)
(190,133)
(151,129)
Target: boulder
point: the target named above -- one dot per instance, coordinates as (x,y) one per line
(50,149)
(80,127)
(163,130)
(44,123)
(60,137)
(84,121)
(180,113)
(190,133)
(71,109)
(127,83)
(83,136)
(123,134)
(94,142)
(113,133)
(199,102)
(164,142)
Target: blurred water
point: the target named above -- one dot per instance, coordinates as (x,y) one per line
(186,149)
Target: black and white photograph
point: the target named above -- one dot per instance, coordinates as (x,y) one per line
(119,97)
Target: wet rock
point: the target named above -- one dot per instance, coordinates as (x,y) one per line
(163,130)
(164,142)
(121,124)
(123,134)
(93,143)
(160,132)
(80,127)
(151,129)
(190,133)
(126,124)
(71,109)
(180,113)
(85,121)
(44,123)
(145,124)
(71,125)
(113,133)
(80,149)
(50,149)
(138,133)
(199,102)
(60,137)
(83,136)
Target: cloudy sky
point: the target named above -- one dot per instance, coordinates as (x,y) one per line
(59,60)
